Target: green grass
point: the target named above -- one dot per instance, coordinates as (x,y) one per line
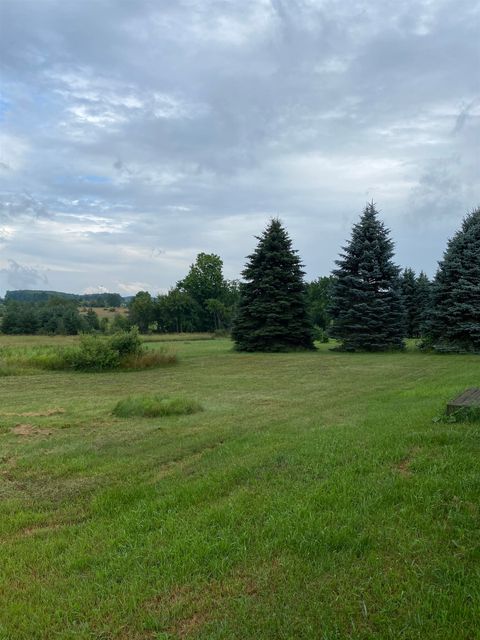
(313,498)
(153,406)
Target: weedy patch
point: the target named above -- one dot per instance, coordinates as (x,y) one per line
(94,353)
(464,414)
(152,406)
(404,466)
(8,370)
(150,359)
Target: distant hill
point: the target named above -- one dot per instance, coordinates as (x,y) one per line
(85,299)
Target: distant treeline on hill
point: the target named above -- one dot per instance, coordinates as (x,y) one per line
(84,299)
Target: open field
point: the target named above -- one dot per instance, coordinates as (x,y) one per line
(312,498)
(107,312)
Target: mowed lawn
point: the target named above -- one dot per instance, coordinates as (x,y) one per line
(312,498)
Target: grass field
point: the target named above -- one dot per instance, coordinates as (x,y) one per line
(109,312)
(312,498)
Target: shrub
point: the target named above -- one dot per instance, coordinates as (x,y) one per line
(94,354)
(100,353)
(320,335)
(127,343)
(155,405)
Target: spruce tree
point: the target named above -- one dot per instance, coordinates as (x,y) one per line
(408,286)
(423,300)
(367,309)
(454,323)
(272,311)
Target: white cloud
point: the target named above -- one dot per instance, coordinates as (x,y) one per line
(13,151)
(131,288)
(96,289)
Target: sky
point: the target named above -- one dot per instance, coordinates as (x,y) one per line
(135,134)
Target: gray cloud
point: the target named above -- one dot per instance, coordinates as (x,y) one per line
(18,276)
(136,134)
(15,206)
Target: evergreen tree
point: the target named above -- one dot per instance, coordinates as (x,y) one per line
(423,300)
(454,323)
(408,286)
(91,320)
(367,309)
(272,311)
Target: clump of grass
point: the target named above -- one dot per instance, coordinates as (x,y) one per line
(152,406)
(150,359)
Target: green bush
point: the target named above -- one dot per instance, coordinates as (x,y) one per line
(126,343)
(320,335)
(95,353)
(155,405)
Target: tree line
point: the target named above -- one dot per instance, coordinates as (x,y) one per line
(84,299)
(55,316)
(367,303)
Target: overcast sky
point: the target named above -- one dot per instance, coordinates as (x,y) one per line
(137,133)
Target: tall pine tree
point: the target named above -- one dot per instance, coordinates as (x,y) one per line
(272,311)
(454,323)
(423,301)
(408,285)
(367,309)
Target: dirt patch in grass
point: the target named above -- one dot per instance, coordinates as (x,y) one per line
(188,608)
(38,529)
(190,625)
(8,464)
(44,528)
(403,467)
(29,430)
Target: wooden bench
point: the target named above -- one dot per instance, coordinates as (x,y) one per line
(469,398)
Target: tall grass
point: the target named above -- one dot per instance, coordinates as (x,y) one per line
(150,359)
(37,357)
(93,354)
(151,406)
(177,337)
